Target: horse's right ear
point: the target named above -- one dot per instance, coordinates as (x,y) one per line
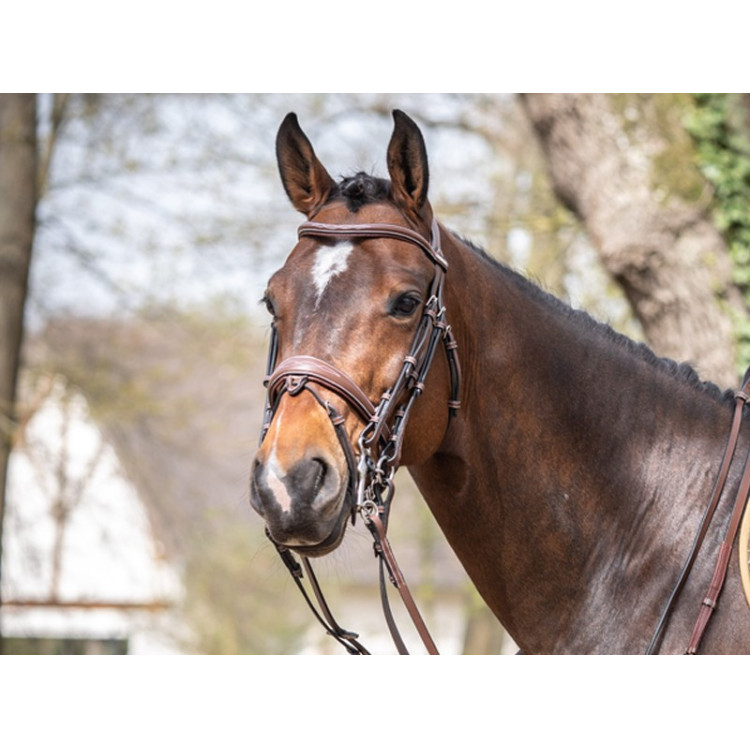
(407,166)
(305,179)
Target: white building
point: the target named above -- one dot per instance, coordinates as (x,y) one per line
(82,570)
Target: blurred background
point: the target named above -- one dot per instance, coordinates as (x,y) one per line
(132,361)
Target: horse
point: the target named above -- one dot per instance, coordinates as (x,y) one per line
(568,467)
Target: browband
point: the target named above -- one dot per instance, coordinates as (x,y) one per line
(393,231)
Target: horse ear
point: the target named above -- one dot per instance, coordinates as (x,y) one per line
(305,179)
(407,165)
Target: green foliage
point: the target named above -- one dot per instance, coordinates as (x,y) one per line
(720,126)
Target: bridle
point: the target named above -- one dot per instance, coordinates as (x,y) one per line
(370,487)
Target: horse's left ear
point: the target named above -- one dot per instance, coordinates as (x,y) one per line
(407,165)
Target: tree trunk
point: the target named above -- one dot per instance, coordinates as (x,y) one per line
(623,164)
(18,192)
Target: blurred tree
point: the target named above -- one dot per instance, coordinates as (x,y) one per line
(18,195)
(64,489)
(625,165)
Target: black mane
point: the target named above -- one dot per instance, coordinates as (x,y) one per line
(682,371)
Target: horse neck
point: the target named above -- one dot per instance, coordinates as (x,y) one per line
(571,465)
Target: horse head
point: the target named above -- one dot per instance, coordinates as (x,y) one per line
(355,307)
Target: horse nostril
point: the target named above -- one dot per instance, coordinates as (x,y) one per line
(309,479)
(320,478)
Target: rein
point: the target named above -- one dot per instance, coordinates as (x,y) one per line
(708,605)
(370,490)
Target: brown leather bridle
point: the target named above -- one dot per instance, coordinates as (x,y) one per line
(370,488)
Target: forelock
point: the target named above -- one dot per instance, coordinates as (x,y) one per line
(360,190)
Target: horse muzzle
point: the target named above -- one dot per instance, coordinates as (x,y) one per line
(305,508)
(300,481)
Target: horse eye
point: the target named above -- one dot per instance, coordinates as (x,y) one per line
(266,300)
(405,305)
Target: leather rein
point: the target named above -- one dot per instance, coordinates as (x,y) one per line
(370,489)
(710,601)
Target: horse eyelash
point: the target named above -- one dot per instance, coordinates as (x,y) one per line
(266,301)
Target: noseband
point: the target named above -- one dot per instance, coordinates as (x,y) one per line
(380,443)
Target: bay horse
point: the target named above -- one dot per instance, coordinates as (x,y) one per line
(568,467)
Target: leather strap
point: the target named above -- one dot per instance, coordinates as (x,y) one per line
(385,552)
(741,398)
(722,563)
(345,637)
(708,605)
(374,231)
(303,367)
(389,619)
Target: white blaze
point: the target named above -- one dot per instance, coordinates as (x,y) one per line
(329,262)
(276,474)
